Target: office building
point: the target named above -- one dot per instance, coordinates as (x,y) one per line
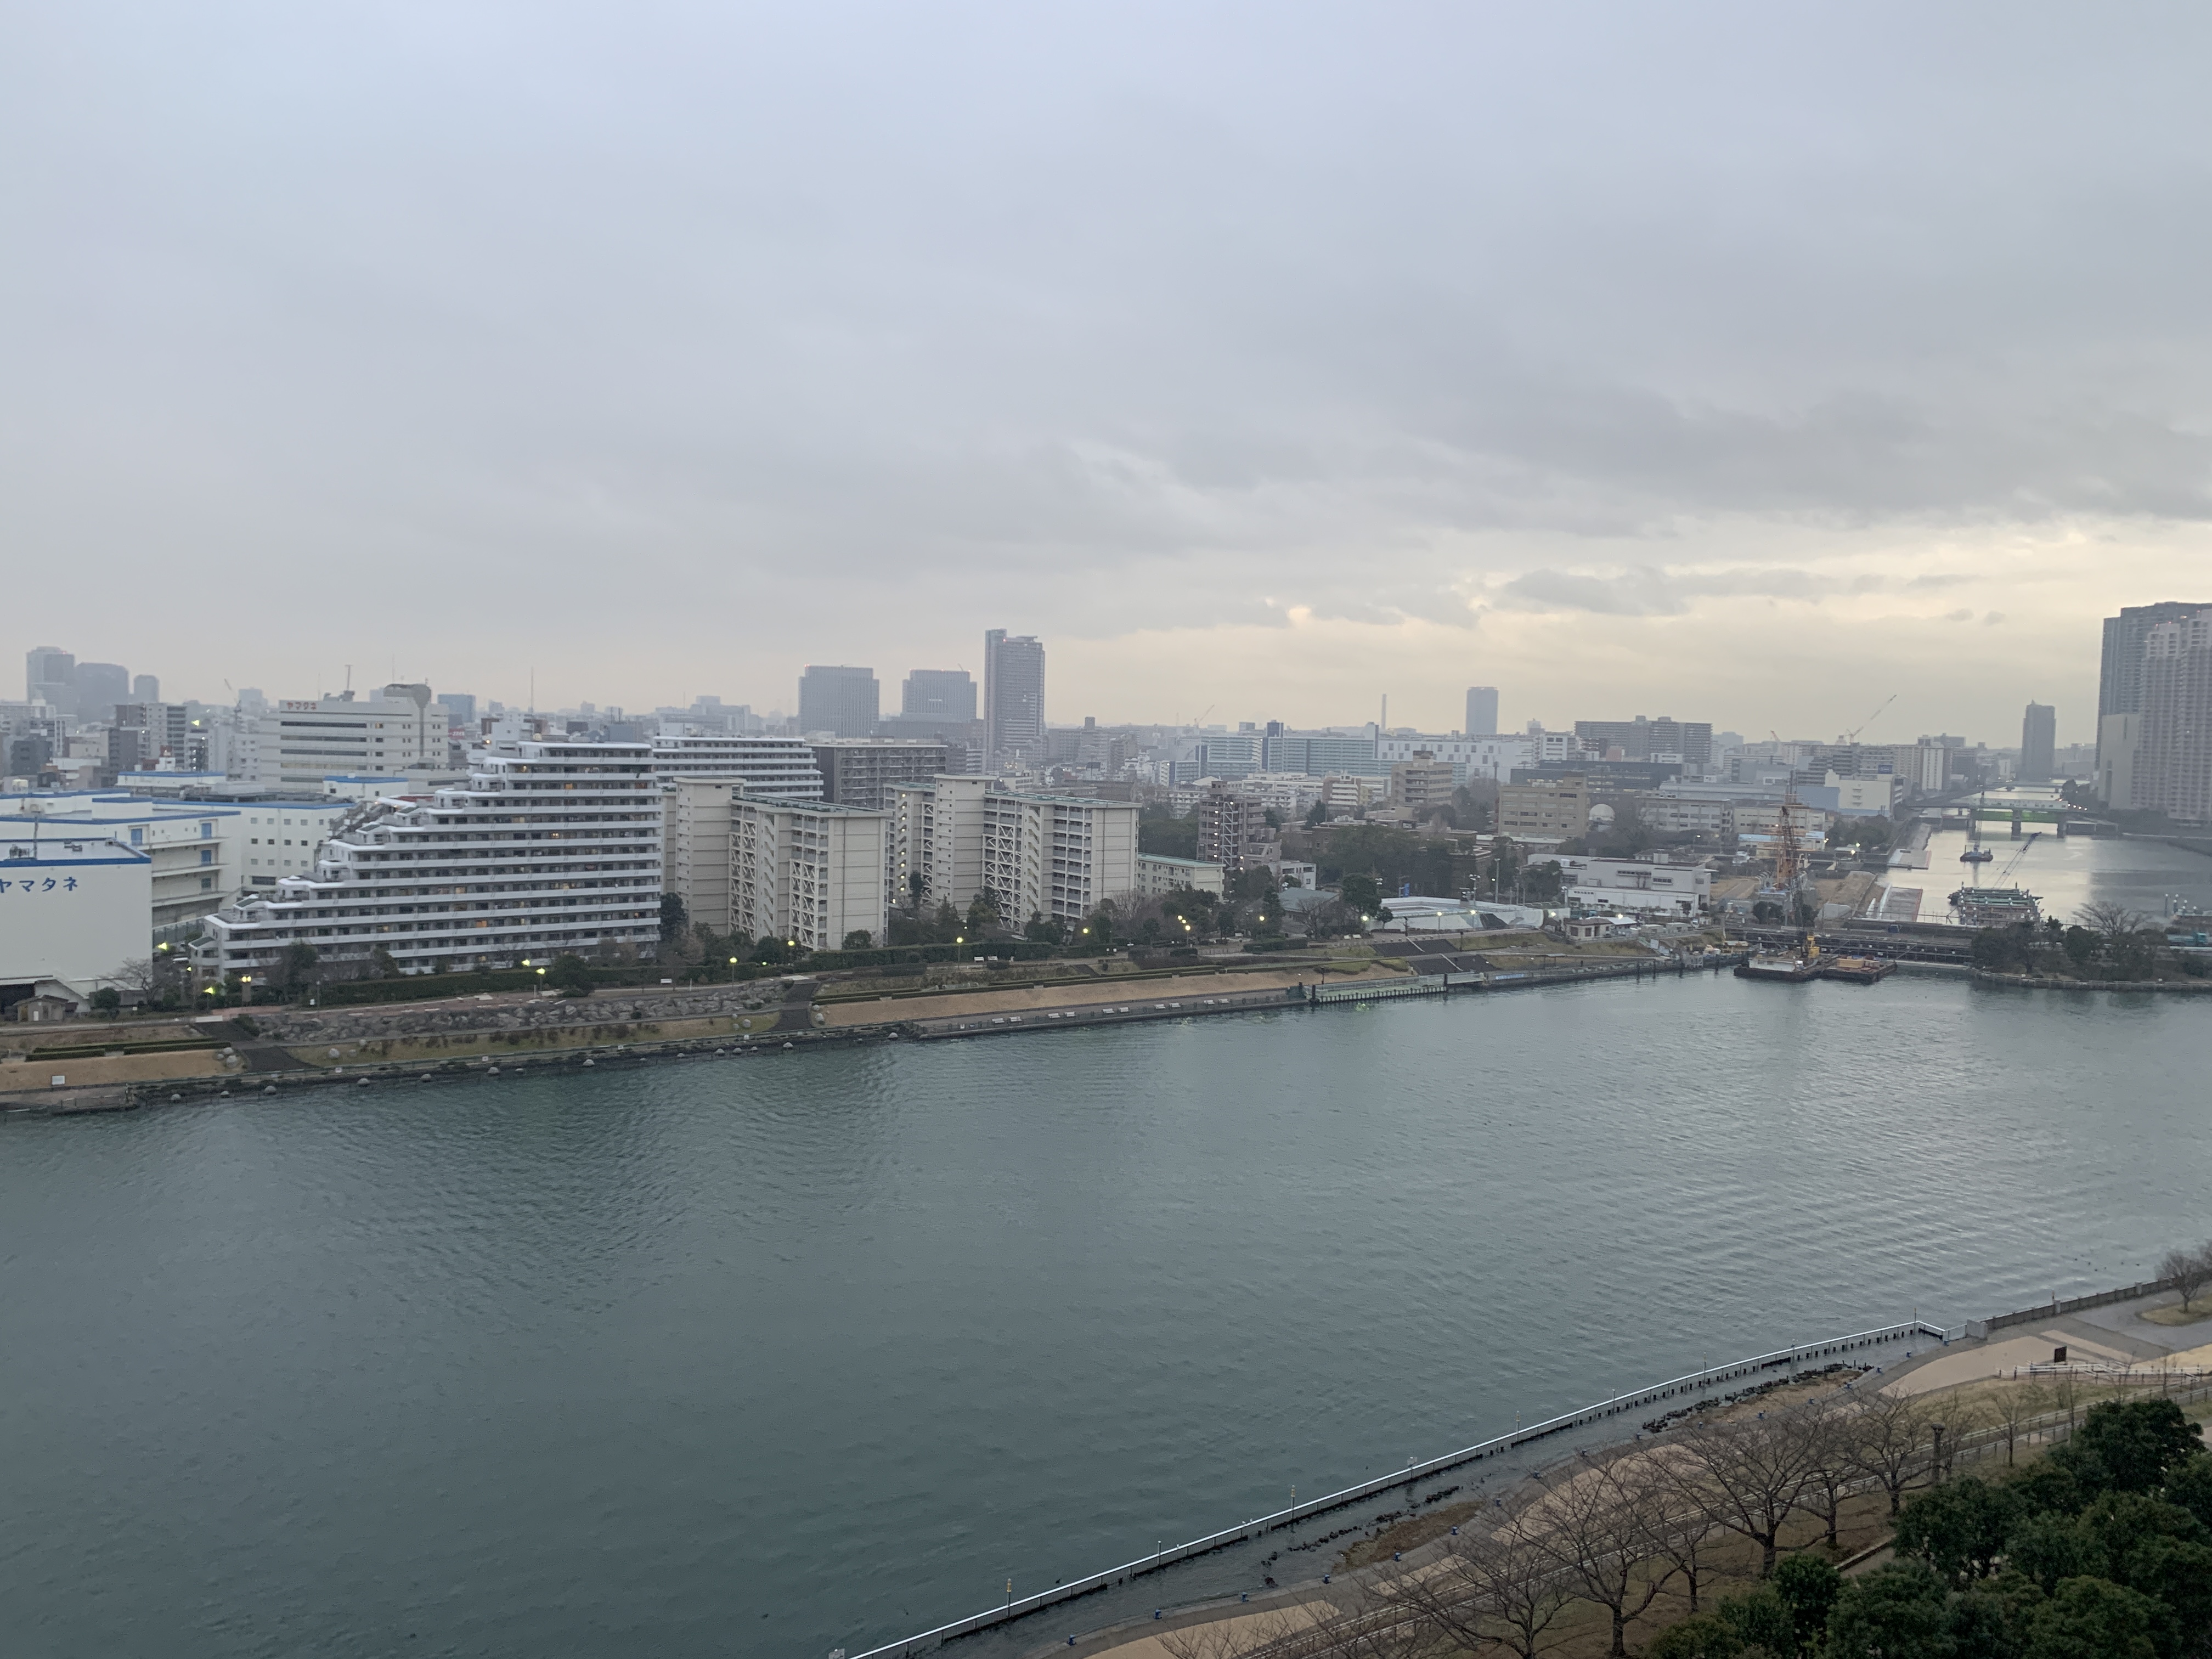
(1494,758)
(1057,856)
(840,702)
(99,687)
(1013,695)
(50,677)
(1481,711)
(548,847)
(1641,739)
(1320,753)
(808,872)
(299,743)
(861,771)
(2038,741)
(460,709)
(1551,809)
(938,693)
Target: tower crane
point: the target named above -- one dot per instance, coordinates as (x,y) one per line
(1852,735)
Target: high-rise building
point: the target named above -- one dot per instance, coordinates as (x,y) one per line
(942,694)
(50,677)
(1232,827)
(808,872)
(1050,855)
(841,700)
(1481,711)
(460,708)
(2038,741)
(776,768)
(548,847)
(1013,694)
(2119,676)
(2172,763)
(99,687)
(145,688)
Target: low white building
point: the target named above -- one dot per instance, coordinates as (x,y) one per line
(1158,875)
(1636,884)
(72,911)
(1469,758)
(549,847)
(807,872)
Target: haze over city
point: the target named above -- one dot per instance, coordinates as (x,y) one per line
(1271,359)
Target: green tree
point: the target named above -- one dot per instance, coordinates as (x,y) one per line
(383,963)
(569,975)
(2128,1445)
(1762,1620)
(1316,814)
(1363,893)
(1164,835)
(2080,947)
(1991,1618)
(2051,1548)
(2094,1619)
(858,939)
(1047,930)
(2189,1485)
(1701,1635)
(1808,1585)
(106,1000)
(674,918)
(1897,1612)
(982,913)
(297,967)
(1959,1528)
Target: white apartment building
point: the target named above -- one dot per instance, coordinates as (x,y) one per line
(771,769)
(548,847)
(298,743)
(807,872)
(695,848)
(1158,875)
(1052,855)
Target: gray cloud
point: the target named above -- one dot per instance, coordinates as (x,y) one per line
(843,322)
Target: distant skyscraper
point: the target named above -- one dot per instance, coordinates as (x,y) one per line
(99,687)
(145,688)
(2120,677)
(2039,740)
(1013,693)
(460,708)
(1481,711)
(2172,766)
(944,694)
(841,700)
(49,676)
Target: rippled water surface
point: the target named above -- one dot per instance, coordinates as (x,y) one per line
(770,1355)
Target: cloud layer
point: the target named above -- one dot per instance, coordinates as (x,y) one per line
(664,349)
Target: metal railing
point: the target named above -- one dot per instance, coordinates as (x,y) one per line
(1694,1381)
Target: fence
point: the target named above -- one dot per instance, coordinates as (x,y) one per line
(1694,1382)
(2055,1307)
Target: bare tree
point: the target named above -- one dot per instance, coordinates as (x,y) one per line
(2112,921)
(2017,1407)
(1749,1476)
(2064,1393)
(1830,1463)
(1889,1441)
(1232,1636)
(2189,1270)
(1490,1590)
(1601,1522)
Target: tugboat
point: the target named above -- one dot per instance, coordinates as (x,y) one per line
(1975,852)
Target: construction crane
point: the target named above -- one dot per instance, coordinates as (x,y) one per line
(1852,735)
(2004,876)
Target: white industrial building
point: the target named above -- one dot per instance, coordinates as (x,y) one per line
(299,743)
(1057,856)
(1476,758)
(1637,884)
(807,872)
(549,847)
(72,911)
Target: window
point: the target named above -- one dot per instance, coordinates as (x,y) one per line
(207,855)
(207,884)
(138,836)
(206,831)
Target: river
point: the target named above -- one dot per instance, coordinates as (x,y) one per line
(774,1354)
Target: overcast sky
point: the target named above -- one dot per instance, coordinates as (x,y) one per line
(1741,363)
